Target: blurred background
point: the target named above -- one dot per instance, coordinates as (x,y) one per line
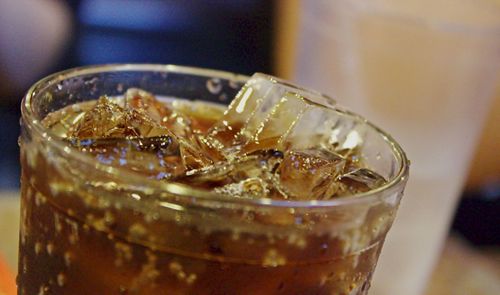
(245,36)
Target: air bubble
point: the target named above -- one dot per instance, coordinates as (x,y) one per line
(39,199)
(50,248)
(123,253)
(214,85)
(25,264)
(43,290)
(175,267)
(296,240)
(137,231)
(191,279)
(38,248)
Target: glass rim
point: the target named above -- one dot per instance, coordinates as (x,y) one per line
(183,190)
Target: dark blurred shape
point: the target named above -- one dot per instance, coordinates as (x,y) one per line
(478,216)
(152,15)
(228,35)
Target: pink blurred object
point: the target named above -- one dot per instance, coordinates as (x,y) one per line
(32,35)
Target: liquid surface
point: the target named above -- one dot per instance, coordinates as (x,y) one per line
(248,151)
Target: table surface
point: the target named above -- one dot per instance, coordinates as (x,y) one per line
(9,227)
(461,270)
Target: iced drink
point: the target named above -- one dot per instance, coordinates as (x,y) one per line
(151,190)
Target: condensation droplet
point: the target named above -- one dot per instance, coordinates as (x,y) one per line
(57,223)
(191,278)
(38,248)
(149,273)
(233,84)
(150,217)
(123,253)
(25,264)
(119,87)
(50,248)
(175,267)
(39,199)
(43,290)
(235,236)
(72,239)
(56,187)
(214,85)
(137,231)
(86,228)
(68,258)
(296,240)
(272,259)
(61,279)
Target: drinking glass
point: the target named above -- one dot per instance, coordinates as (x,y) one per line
(90,228)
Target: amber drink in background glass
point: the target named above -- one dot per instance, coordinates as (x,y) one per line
(137,179)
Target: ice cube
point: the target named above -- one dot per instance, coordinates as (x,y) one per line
(157,157)
(108,119)
(164,144)
(105,119)
(362,180)
(266,108)
(61,124)
(294,122)
(261,164)
(143,126)
(310,174)
(147,104)
(197,151)
(139,99)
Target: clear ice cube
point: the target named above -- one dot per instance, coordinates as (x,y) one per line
(362,180)
(265,109)
(259,165)
(157,157)
(139,99)
(274,140)
(197,151)
(310,174)
(147,104)
(108,119)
